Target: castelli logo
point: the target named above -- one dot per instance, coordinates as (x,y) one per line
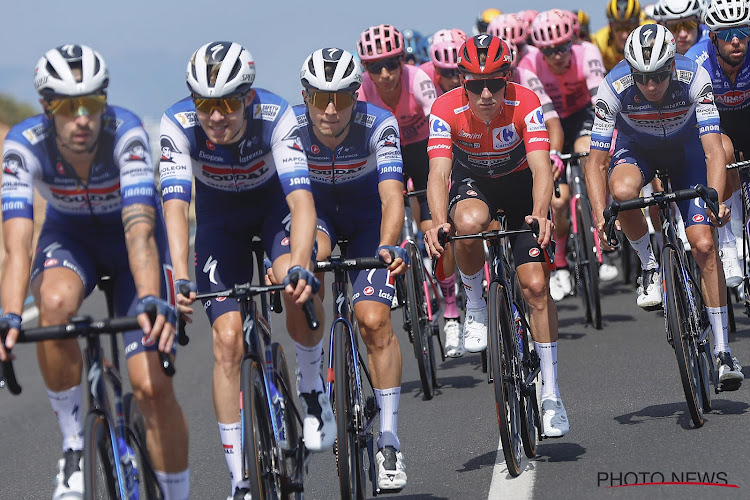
(50,262)
(315,149)
(534,252)
(146,341)
(369,290)
(698,218)
(210,145)
(60,168)
(285,241)
(471,192)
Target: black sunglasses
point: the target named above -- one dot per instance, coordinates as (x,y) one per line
(492,84)
(448,72)
(560,49)
(390,64)
(657,77)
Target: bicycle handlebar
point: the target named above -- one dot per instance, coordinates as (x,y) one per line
(182,337)
(418,192)
(79,326)
(356,264)
(573,156)
(707,194)
(741,165)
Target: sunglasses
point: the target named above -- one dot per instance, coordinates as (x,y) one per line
(77,106)
(225,105)
(448,72)
(678,26)
(492,84)
(391,64)
(560,49)
(657,77)
(728,34)
(623,27)
(340,100)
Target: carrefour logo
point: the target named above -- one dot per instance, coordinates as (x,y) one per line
(535,120)
(504,136)
(439,129)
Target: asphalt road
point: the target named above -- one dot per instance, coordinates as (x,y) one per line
(629,421)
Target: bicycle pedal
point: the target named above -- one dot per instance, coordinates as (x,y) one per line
(730,385)
(657,307)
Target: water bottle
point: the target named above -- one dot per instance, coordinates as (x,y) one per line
(279,413)
(129,468)
(519,331)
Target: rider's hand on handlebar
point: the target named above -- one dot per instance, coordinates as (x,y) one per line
(163,327)
(724,215)
(14,322)
(301,284)
(557,166)
(184,302)
(396,258)
(431,243)
(545,229)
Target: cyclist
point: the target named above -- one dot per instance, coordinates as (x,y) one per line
(415,48)
(653,81)
(404,90)
(682,18)
(583,21)
(484,19)
(361,199)
(724,56)
(489,139)
(571,73)
(623,17)
(512,27)
(92,163)
(242,145)
(442,67)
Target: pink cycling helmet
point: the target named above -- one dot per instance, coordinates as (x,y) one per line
(444,47)
(528,16)
(509,27)
(575,22)
(552,27)
(379,42)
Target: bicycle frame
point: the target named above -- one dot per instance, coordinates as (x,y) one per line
(578,190)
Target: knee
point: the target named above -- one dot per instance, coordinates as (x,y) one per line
(227,346)
(469,222)
(704,247)
(624,190)
(56,303)
(375,330)
(151,391)
(535,290)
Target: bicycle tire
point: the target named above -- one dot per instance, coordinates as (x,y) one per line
(704,351)
(678,321)
(257,430)
(99,477)
(529,404)
(350,453)
(507,398)
(148,484)
(591,261)
(291,471)
(421,330)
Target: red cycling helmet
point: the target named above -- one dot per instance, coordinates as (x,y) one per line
(484,54)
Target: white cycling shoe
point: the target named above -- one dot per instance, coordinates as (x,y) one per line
(454,339)
(475,329)
(69,479)
(391,469)
(554,417)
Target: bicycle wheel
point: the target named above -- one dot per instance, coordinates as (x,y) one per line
(683,333)
(530,362)
(589,262)
(706,368)
(292,472)
(257,432)
(420,325)
(350,453)
(503,366)
(99,481)
(148,485)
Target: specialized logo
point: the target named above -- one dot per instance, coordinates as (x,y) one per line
(13,163)
(698,218)
(340,303)
(333,54)
(534,252)
(210,269)
(481,39)
(168,149)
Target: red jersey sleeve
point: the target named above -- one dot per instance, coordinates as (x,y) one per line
(442,121)
(529,118)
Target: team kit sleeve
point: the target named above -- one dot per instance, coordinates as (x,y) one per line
(593,69)
(19,168)
(607,107)
(175,165)
(530,80)
(440,142)
(533,128)
(702,94)
(132,155)
(423,90)
(385,144)
(289,153)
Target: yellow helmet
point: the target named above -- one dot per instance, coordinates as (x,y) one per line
(583,18)
(485,18)
(623,10)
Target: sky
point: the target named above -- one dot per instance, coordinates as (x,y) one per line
(147,44)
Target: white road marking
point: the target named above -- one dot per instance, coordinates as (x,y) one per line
(503,485)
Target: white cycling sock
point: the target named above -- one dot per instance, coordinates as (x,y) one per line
(67,407)
(548,357)
(473,287)
(387,400)
(719,321)
(175,485)
(308,361)
(645,253)
(231,439)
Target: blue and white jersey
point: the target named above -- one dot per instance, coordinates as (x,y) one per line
(122,172)
(686,112)
(348,177)
(728,96)
(269,151)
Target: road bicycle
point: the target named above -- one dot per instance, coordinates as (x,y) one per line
(686,319)
(116,463)
(274,453)
(513,364)
(420,296)
(349,384)
(584,249)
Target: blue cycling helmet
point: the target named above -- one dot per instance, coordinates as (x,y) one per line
(417,48)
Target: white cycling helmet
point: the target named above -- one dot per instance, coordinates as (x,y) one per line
(331,70)
(649,48)
(54,75)
(723,14)
(674,10)
(219,69)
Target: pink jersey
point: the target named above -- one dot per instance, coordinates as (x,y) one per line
(527,50)
(413,108)
(576,88)
(528,79)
